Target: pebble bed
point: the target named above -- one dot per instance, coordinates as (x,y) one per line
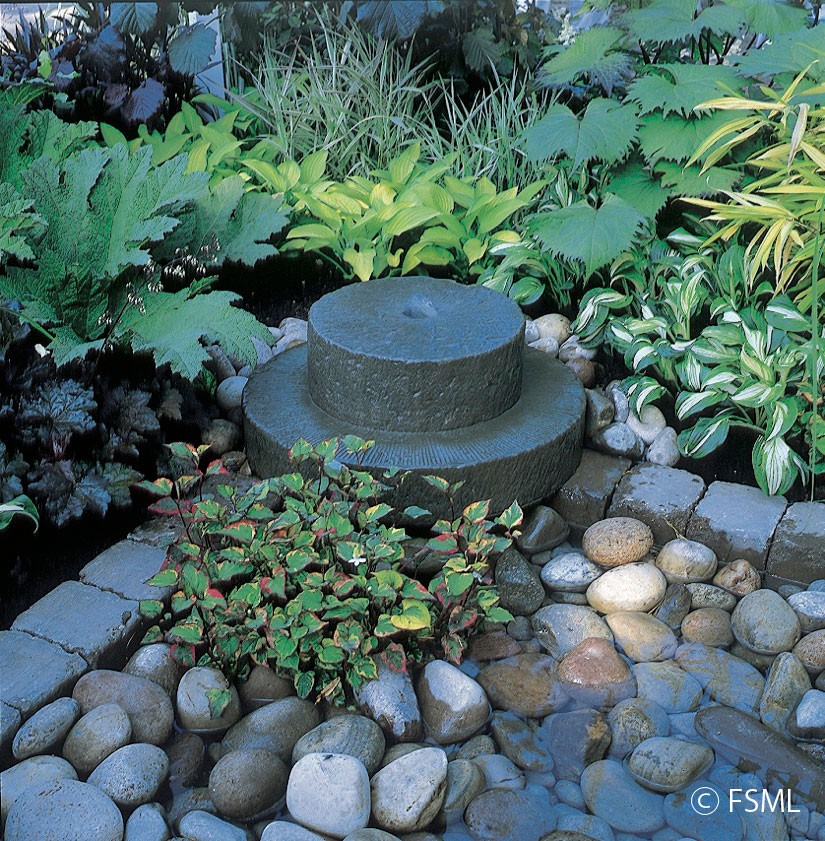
(628,683)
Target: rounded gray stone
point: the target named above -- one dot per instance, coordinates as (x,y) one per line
(131,775)
(527,452)
(64,810)
(46,729)
(147,823)
(353,735)
(393,354)
(98,734)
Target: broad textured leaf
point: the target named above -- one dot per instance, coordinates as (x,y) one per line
(691,181)
(144,103)
(789,53)
(771,17)
(680,87)
(481,50)
(676,20)
(593,236)
(235,225)
(396,18)
(19,225)
(595,55)
(605,131)
(175,324)
(103,208)
(133,18)
(635,185)
(191,49)
(105,55)
(677,138)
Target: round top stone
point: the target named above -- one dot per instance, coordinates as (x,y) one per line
(416,319)
(415,354)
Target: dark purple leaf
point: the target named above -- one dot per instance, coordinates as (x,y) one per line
(145,103)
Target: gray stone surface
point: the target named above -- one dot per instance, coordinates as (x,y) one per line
(736,521)
(526,453)
(584,497)
(10,720)
(35,671)
(123,569)
(660,496)
(796,552)
(94,623)
(415,354)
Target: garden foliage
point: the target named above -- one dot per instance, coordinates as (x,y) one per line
(308,574)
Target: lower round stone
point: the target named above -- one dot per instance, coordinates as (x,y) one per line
(526,453)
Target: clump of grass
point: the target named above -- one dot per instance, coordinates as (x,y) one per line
(345,92)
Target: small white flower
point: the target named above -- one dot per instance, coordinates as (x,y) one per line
(356,562)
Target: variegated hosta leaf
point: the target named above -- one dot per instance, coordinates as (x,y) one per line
(775,465)
(640,355)
(705,436)
(757,394)
(692,402)
(690,371)
(593,302)
(712,352)
(720,380)
(785,413)
(756,367)
(643,390)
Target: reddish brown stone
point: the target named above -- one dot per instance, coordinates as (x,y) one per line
(593,673)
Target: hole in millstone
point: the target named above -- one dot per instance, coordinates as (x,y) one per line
(419,306)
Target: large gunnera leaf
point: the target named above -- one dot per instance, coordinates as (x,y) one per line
(176,326)
(103,208)
(396,18)
(228,224)
(595,56)
(191,48)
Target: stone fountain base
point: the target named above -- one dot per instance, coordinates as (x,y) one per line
(443,370)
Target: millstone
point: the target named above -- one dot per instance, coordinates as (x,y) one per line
(437,374)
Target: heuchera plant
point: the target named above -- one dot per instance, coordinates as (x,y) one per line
(306,573)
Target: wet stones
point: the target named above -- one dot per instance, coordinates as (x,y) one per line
(353,735)
(526,684)
(245,783)
(613,795)
(686,561)
(633,586)
(390,700)
(594,674)
(666,764)
(520,589)
(728,679)
(147,705)
(765,623)
(786,684)
(45,731)
(132,774)
(543,529)
(100,732)
(194,710)
(616,541)
(329,793)
(408,793)
(571,572)
(561,627)
(453,705)
(668,686)
(642,637)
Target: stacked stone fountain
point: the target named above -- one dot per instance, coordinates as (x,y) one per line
(436,374)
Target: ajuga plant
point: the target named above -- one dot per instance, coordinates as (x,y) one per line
(307,573)
(625,128)
(121,252)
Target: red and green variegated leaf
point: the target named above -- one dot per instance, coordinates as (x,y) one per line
(384,627)
(150,608)
(183,654)
(444,543)
(166,507)
(437,482)
(160,487)
(154,634)
(243,532)
(459,583)
(414,616)
(304,681)
(394,657)
(186,632)
(275,585)
(164,578)
(219,700)
(477,512)
(511,517)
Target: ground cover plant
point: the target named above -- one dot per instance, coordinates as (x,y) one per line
(308,573)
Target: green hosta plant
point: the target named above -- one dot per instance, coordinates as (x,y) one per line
(405,217)
(306,573)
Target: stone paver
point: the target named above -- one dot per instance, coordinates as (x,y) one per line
(35,671)
(584,497)
(663,497)
(93,623)
(798,548)
(124,568)
(737,521)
